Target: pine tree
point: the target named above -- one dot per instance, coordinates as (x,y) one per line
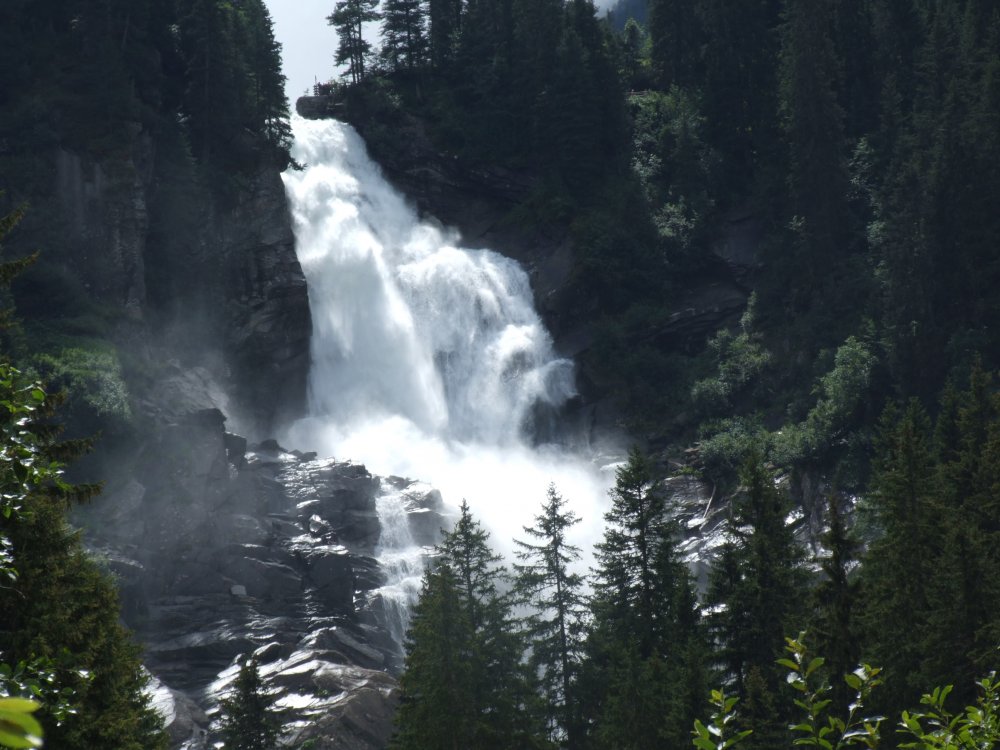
(817,179)
(437,710)
(268,105)
(445,20)
(213,92)
(756,593)
(404,39)
(835,631)
(899,563)
(545,584)
(349,17)
(740,84)
(645,622)
(676,42)
(248,718)
(464,682)
(54,600)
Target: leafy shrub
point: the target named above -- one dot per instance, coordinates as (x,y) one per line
(840,395)
(933,728)
(92,377)
(741,359)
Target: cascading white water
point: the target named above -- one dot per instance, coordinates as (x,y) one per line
(427,358)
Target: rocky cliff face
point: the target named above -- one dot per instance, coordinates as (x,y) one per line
(180,272)
(223,551)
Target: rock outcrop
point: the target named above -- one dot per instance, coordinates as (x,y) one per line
(223,550)
(136,250)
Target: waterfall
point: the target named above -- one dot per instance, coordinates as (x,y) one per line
(428,359)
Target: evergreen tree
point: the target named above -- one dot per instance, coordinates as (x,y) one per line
(248,718)
(437,710)
(267,113)
(213,91)
(445,20)
(817,180)
(642,650)
(404,41)
(836,631)
(55,601)
(545,584)
(740,85)
(900,562)
(349,17)
(756,593)
(464,683)
(675,37)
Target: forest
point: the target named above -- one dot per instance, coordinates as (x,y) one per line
(860,141)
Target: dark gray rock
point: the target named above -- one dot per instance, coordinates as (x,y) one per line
(318,107)
(263,579)
(274,554)
(332,574)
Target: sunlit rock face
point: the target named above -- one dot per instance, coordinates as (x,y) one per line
(223,551)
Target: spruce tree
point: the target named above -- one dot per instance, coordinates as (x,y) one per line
(404,38)
(756,593)
(55,604)
(267,110)
(544,583)
(445,20)
(900,562)
(248,718)
(349,18)
(675,38)
(437,710)
(464,682)
(817,179)
(835,630)
(643,645)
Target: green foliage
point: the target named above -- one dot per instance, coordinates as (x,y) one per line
(936,727)
(18,728)
(404,34)
(348,18)
(741,358)
(841,395)
(555,598)
(249,721)
(40,680)
(818,726)
(56,602)
(644,646)
(933,728)
(677,170)
(730,441)
(92,377)
(719,733)
(756,595)
(465,683)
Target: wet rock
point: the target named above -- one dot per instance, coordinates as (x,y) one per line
(271,554)
(263,579)
(356,650)
(332,574)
